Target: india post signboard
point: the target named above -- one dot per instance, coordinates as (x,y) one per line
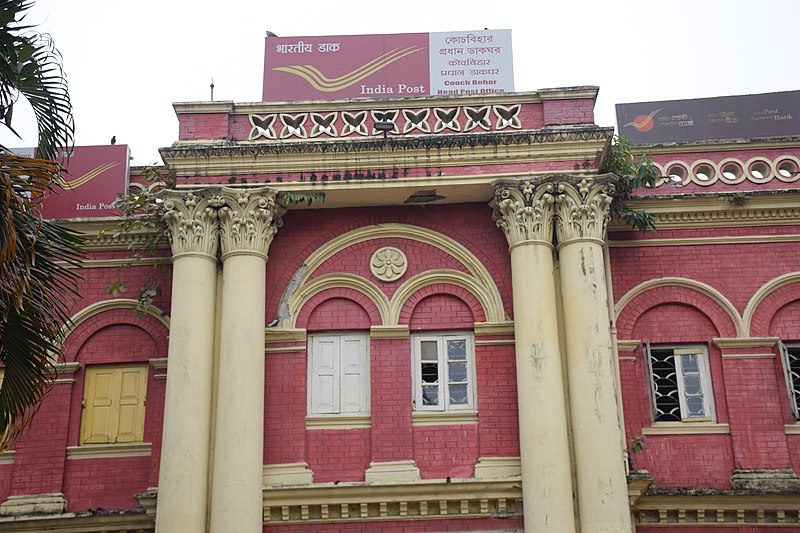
(388,66)
(750,116)
(94,176)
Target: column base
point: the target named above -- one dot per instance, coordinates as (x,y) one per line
(392,472)
(53,503)
(287,474)
(498,467)
(766,481)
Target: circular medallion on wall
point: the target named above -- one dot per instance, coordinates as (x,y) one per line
(388,264)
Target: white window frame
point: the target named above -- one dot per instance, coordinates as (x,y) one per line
(679,353)
(441,339)
(345,402)
(791,386)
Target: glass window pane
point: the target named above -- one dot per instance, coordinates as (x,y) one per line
(428,350)
(690,363)
(457,372)
(430,395)
(458,394)
(430,373)
(695,407)
(691,385)
(457,350)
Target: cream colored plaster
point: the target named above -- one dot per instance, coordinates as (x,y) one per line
(505,327)
(749,356)
(390,332)
(792,429)
(287,474)
(103,451)
(115,303)
(237,475)
(682,511)
(444,418)
(763,292)
(392,472)
(628,345)
(26,504)
(338,421)
(274,335)
(498,468)
(746,342)
(687,428)
(694,285)
(702,241)
(7,457)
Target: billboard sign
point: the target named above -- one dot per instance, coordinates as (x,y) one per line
(704,119)
(93,177)
(387,66)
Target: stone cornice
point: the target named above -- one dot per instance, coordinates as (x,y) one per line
(720,509)
(218,158)
(100,520)
(678,212)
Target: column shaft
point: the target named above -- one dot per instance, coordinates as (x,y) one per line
(544,444)
(582,215)
(236,497)
(183,476)
(524,211)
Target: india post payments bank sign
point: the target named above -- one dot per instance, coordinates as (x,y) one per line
(387,66)
(91,181)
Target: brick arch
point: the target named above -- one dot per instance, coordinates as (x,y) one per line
(767,310)
(712,305)
(451,293)
(142,326)
(785,322)
(356,309)
(441,311)
(673,322)
(768,301)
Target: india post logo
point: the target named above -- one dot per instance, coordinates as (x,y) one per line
(644,123)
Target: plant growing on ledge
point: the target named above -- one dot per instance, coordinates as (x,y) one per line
(633,173)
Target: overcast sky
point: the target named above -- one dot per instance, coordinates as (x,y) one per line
(126,62)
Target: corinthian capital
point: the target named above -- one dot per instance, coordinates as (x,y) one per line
(582,211)
(192,221)
(524,211)
(248,220)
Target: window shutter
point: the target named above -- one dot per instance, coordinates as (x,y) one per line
(98,406)
(353,387)
(324,393)
(130,419)
(792,381)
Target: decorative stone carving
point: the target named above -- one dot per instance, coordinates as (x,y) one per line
(192,221)
(524,211)
(388,264)
(582,210)
(248,220)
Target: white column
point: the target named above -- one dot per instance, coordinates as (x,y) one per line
(248,222)
(582,213)
(183,474)
(525,213)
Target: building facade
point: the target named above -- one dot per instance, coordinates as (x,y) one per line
(458,338)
